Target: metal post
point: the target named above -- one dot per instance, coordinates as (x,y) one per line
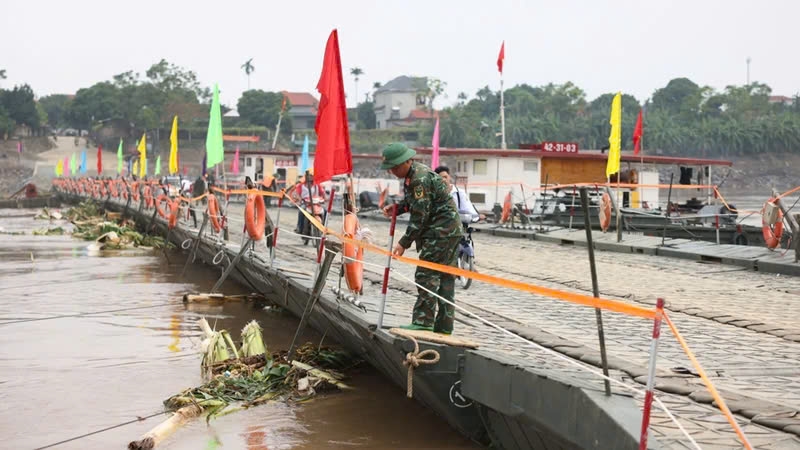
(619,208)
(502,115)
(572,208)
(277,228)
(651,375)
(319,285)
(595,286)
(388,267)
(544,202)
(669,201)
(716,225)
(230,267)
(321,249)
(196,243)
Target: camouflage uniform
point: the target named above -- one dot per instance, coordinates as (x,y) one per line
(436,229)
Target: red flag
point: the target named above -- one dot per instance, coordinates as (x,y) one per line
(637,134)
(283,104)
(99,159)
(501,57)
(333,155)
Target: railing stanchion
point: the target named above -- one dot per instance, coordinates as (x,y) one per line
(651,374)
(385,287)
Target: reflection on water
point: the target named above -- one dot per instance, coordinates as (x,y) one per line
(64,377)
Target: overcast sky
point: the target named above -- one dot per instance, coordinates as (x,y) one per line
(602,46)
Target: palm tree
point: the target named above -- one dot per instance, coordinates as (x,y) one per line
(248,69)
(356,72)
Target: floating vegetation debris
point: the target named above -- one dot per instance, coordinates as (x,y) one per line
(110,232)
(249,379)
(56,231)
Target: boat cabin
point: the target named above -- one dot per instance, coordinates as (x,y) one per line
(488,175)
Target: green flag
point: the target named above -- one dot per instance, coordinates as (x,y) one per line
(73,165)
(158,165)
(119,158)
(214,151)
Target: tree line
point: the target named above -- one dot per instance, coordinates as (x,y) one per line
(680,118)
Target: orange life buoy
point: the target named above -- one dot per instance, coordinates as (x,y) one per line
(605,212)
(162,198)
(506,208)
(353,265)
(213,212)
(148,197)
(772,233)
(255,216)
(174,206)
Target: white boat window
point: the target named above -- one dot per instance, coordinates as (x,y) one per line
(477,197)
(479,167)
(530,166)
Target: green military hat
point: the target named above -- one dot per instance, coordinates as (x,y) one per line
(395,154)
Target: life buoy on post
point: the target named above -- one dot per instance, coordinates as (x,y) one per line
(148,197)
(174,206)
(213,212)
(354,255)
(506,208)
(255,216)
(162,199)
(605,212)
(772,233)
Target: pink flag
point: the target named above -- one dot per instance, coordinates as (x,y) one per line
(235,164)
(19,147)
(66,167)
(435,144)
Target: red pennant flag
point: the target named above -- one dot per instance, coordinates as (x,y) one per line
(637,134)
(99,159)
(333,155)
(501,57)
(283,104)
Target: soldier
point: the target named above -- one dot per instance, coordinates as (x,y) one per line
(435,227)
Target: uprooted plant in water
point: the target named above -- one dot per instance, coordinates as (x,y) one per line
(240,378)
(110,230)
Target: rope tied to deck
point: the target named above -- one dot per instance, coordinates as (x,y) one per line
(414,359)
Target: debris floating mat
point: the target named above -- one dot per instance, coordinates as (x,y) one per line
(237,378)
(437,338)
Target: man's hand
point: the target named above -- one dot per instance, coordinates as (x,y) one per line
(387,210)
(398,250)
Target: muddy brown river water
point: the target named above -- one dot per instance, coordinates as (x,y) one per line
(63,374)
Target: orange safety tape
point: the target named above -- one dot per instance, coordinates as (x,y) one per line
(789,192)
(609,305)
(248,191)
(709,385)
(725,202)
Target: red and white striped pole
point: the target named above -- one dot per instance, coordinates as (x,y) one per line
(385,287)
(651,374)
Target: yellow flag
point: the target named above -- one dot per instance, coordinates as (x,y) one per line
(615,138)
(60,168)
(142,156)
(173,147)
(135,167)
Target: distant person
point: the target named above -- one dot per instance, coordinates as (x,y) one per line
(465,207)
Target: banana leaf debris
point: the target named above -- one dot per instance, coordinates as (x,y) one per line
(108,230)
(237,378)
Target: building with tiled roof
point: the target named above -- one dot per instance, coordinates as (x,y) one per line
(303,109)
(401,103)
